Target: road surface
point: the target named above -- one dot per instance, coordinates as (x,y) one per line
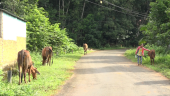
(109,73)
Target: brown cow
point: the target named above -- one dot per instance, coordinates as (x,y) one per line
(25,63)
(47,53)
(85,46)
(151,53)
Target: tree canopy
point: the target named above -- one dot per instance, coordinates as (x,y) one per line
(157,30)
(85,21)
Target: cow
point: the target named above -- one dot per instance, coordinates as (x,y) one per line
(47,54)
(85,46)
(26,64)
(151,53)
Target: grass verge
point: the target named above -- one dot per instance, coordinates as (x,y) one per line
(49,80)
(161,62)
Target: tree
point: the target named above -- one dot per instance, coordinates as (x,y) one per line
(157,29)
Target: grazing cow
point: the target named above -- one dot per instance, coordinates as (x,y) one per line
(151,53)
(85,46)
(47,53)
(33,72)
(25,63)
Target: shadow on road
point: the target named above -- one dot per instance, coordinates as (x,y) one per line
(162,82)
(130,68)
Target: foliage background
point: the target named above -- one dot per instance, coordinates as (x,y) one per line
(52,21)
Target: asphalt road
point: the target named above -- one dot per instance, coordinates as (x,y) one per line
(109,73)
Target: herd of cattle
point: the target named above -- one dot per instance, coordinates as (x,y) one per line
(27,65)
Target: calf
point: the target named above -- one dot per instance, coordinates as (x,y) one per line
(25,63)
(85,46)
(151,53)
(47,53)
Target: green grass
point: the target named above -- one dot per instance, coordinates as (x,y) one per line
(49,80)
(161,63)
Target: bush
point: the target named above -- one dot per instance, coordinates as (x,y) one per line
(107,45)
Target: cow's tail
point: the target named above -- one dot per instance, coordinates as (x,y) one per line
(22,57)
(52,57)
(22,62)
(51,51)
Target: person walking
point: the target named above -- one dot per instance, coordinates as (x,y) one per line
(140,53)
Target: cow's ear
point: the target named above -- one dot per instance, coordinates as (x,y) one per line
(37,71)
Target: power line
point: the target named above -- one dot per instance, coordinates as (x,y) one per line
(142,14)
(112,9)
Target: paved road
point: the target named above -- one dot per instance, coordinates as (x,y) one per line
(109,73)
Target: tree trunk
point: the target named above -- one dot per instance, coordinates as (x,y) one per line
(63,7)
(83,10)
(67,11)
(68,7)
(59,9)
(63,15)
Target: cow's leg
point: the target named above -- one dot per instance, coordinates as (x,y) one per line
(24,72)
(49,61)
(44,60)
(153,61)
(21,76)
(19,67)
(29,73)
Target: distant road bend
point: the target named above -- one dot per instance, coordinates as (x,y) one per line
(109,73)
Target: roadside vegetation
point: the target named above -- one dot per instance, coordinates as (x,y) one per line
(49,80)
(161,61)
(156,36)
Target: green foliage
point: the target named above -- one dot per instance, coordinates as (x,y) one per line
(1,83)
(157,29)
(40,31)
(107,45)
(98,26)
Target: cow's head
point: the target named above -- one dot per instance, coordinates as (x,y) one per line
(149,53)
(34,72)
